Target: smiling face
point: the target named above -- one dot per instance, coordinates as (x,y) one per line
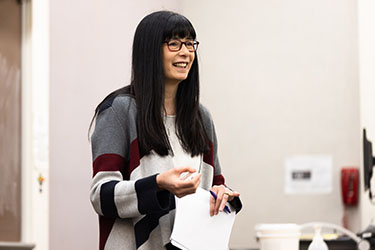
(177,64)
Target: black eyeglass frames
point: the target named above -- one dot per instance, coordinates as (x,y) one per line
(176,45)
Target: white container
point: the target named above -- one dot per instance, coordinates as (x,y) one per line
(278,236)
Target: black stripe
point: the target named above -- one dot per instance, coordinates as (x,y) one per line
(236,203)
(107,199)
(108,103)
(169,246)
(144,227)
(149,200)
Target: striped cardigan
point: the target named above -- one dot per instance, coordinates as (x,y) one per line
(132,213)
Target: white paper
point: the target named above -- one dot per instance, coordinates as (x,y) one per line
(308,174)
(195,229)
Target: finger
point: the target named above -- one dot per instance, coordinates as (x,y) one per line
(198,180)
(186,191)
(215,189)
(213,200)
(212,206)
(221,190)
(223,202)
(235,194)
(186,176)
(185,169)
(219,199)
(194,181)
(232,195)
(185,184)
(189,184)
(194,176)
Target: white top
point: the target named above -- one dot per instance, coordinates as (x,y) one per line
(181,158)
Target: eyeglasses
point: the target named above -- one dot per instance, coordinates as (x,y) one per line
(176,45)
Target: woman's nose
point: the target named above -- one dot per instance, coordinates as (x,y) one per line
(184,50)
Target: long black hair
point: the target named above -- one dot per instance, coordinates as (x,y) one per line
(147,86)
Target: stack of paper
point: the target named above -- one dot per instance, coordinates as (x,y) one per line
(195,229)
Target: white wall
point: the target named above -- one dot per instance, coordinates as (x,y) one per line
(90,57)
(280,78)
(366,26)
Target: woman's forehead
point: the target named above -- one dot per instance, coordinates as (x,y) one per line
(181,38)
(180,34)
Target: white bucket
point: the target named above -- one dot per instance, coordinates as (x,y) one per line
(278,236)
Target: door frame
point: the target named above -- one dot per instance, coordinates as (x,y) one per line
(35,123)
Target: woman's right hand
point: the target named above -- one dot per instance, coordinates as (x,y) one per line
(171,180)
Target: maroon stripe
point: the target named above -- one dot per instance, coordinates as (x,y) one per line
(134,156)
(219,180)
(108,162)
(208,157)
(105,225)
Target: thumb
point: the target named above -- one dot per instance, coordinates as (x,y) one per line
(186,169)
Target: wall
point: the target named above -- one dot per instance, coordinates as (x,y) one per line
(366,26)
(90,48)
(280,78)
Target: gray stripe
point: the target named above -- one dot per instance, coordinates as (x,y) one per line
(121,236)
(126,110)
(115,128)
(210,129)
(126,199)
(108,136)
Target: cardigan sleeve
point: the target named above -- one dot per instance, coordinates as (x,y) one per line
(213,158)
(112,194)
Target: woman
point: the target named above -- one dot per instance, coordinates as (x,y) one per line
(151,139)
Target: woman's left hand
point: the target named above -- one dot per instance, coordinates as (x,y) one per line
(224,195)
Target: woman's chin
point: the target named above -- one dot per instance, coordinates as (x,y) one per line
(181,77)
